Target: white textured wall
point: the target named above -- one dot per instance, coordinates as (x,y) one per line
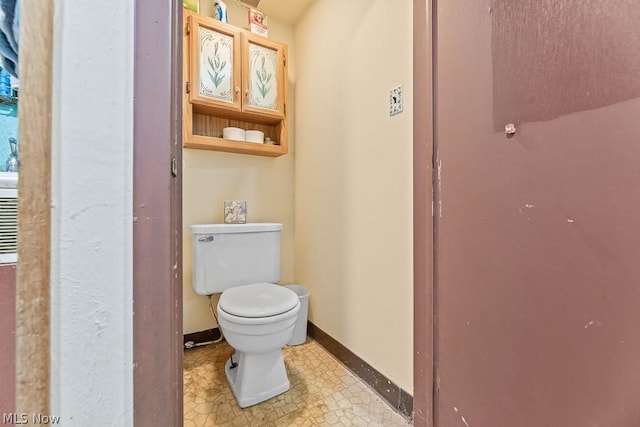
(210,178)
(353,206)
(91,249)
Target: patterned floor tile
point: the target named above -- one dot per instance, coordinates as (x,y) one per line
(323,393)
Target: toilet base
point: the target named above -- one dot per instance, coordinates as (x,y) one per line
(258,377)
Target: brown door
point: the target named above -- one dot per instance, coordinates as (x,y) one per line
(537,234)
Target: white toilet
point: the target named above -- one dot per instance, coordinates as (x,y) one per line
(257,317)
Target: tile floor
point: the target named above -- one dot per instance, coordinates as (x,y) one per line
(323,393)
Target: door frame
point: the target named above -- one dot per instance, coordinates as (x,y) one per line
(423,222)
(157,323)
(424,387)
(33,302)
(157,207)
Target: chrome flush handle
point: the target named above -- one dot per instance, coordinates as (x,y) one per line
(206,239)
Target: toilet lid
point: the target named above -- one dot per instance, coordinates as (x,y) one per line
(258,300)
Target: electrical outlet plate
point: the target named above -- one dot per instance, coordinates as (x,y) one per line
(395,100)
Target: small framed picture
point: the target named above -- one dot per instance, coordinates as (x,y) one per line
(235,212)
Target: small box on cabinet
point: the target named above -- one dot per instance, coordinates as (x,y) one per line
(258,23)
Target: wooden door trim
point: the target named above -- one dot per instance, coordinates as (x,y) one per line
(34,209)
(423,250)
(157,207)
(156,46)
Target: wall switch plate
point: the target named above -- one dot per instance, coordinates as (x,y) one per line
(395,100)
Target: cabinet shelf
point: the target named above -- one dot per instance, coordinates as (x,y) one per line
(205,133)
(202,142)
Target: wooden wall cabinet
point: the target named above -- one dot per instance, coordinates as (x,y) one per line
(232,78)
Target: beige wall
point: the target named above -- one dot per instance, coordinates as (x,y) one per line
(354,178)
(352,174)
(265,183)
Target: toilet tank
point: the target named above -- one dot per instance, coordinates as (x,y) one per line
(228,255)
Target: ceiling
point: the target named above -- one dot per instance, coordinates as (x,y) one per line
(288,11)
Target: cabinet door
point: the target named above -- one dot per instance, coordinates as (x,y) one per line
(264,76)
(215,64)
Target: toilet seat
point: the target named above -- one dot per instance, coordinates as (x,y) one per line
(257,300)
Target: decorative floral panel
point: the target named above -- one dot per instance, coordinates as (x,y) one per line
(216,65)
(263,77)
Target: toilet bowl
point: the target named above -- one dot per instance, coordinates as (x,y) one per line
(256,316)
(257,320)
